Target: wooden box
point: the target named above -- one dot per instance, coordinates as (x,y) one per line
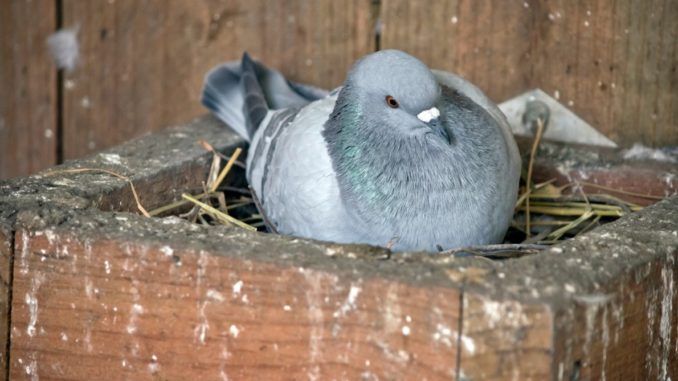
(93,291)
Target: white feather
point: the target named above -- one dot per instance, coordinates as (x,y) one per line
(64,48)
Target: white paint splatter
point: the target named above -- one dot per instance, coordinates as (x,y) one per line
(215,296)
(349,303)
(31,300)
(287,308)
(24,253)
(135,311)
(237,288)
(234,331)
(32,369)
(405,330)
(468,344)
(32,304)
(168,251)
(443,334)
(200,331)
(89,288)
(666,317)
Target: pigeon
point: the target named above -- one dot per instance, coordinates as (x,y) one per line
(400,156)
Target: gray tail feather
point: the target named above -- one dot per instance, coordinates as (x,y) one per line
(241,92)
(256,106)
(221,94)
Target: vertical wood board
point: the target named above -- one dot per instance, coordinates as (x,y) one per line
(28,106)
(143,63)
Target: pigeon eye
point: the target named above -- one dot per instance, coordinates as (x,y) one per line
(392,102)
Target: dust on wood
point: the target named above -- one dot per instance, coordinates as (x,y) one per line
(143,63)
(92,308)
(28,100)
(613,63)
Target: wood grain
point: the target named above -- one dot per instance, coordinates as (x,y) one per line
(28,96)
(486,42)
(613,63)
(626,331)
(143,63)
(6,255)
(504,340)
(99,309)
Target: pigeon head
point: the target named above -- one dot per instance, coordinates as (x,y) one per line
(397,89)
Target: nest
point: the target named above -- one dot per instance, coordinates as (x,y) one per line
(545,214)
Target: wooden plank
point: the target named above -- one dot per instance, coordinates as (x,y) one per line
(91,308)
(614,64)
(626,330)
(142,63)
(505,340)
(6,257)
(486,42)
(28,97)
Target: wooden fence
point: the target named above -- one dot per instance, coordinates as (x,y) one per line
(142,62)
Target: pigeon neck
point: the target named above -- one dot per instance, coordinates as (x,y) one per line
(374,166)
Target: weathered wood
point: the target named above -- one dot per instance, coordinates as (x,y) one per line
(613,63)
(500,337)
(129,310)
(143,63)
(588,168)
(488,43)
(6,257)
(28,97)
(626,325)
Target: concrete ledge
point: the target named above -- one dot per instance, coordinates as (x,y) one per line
(99,292)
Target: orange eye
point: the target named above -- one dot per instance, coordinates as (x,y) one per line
(392,102)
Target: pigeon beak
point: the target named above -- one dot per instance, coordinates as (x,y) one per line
(431,118)
(427,116)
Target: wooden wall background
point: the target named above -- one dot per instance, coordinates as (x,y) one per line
(142,61)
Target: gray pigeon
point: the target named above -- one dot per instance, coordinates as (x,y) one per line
(400,156)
